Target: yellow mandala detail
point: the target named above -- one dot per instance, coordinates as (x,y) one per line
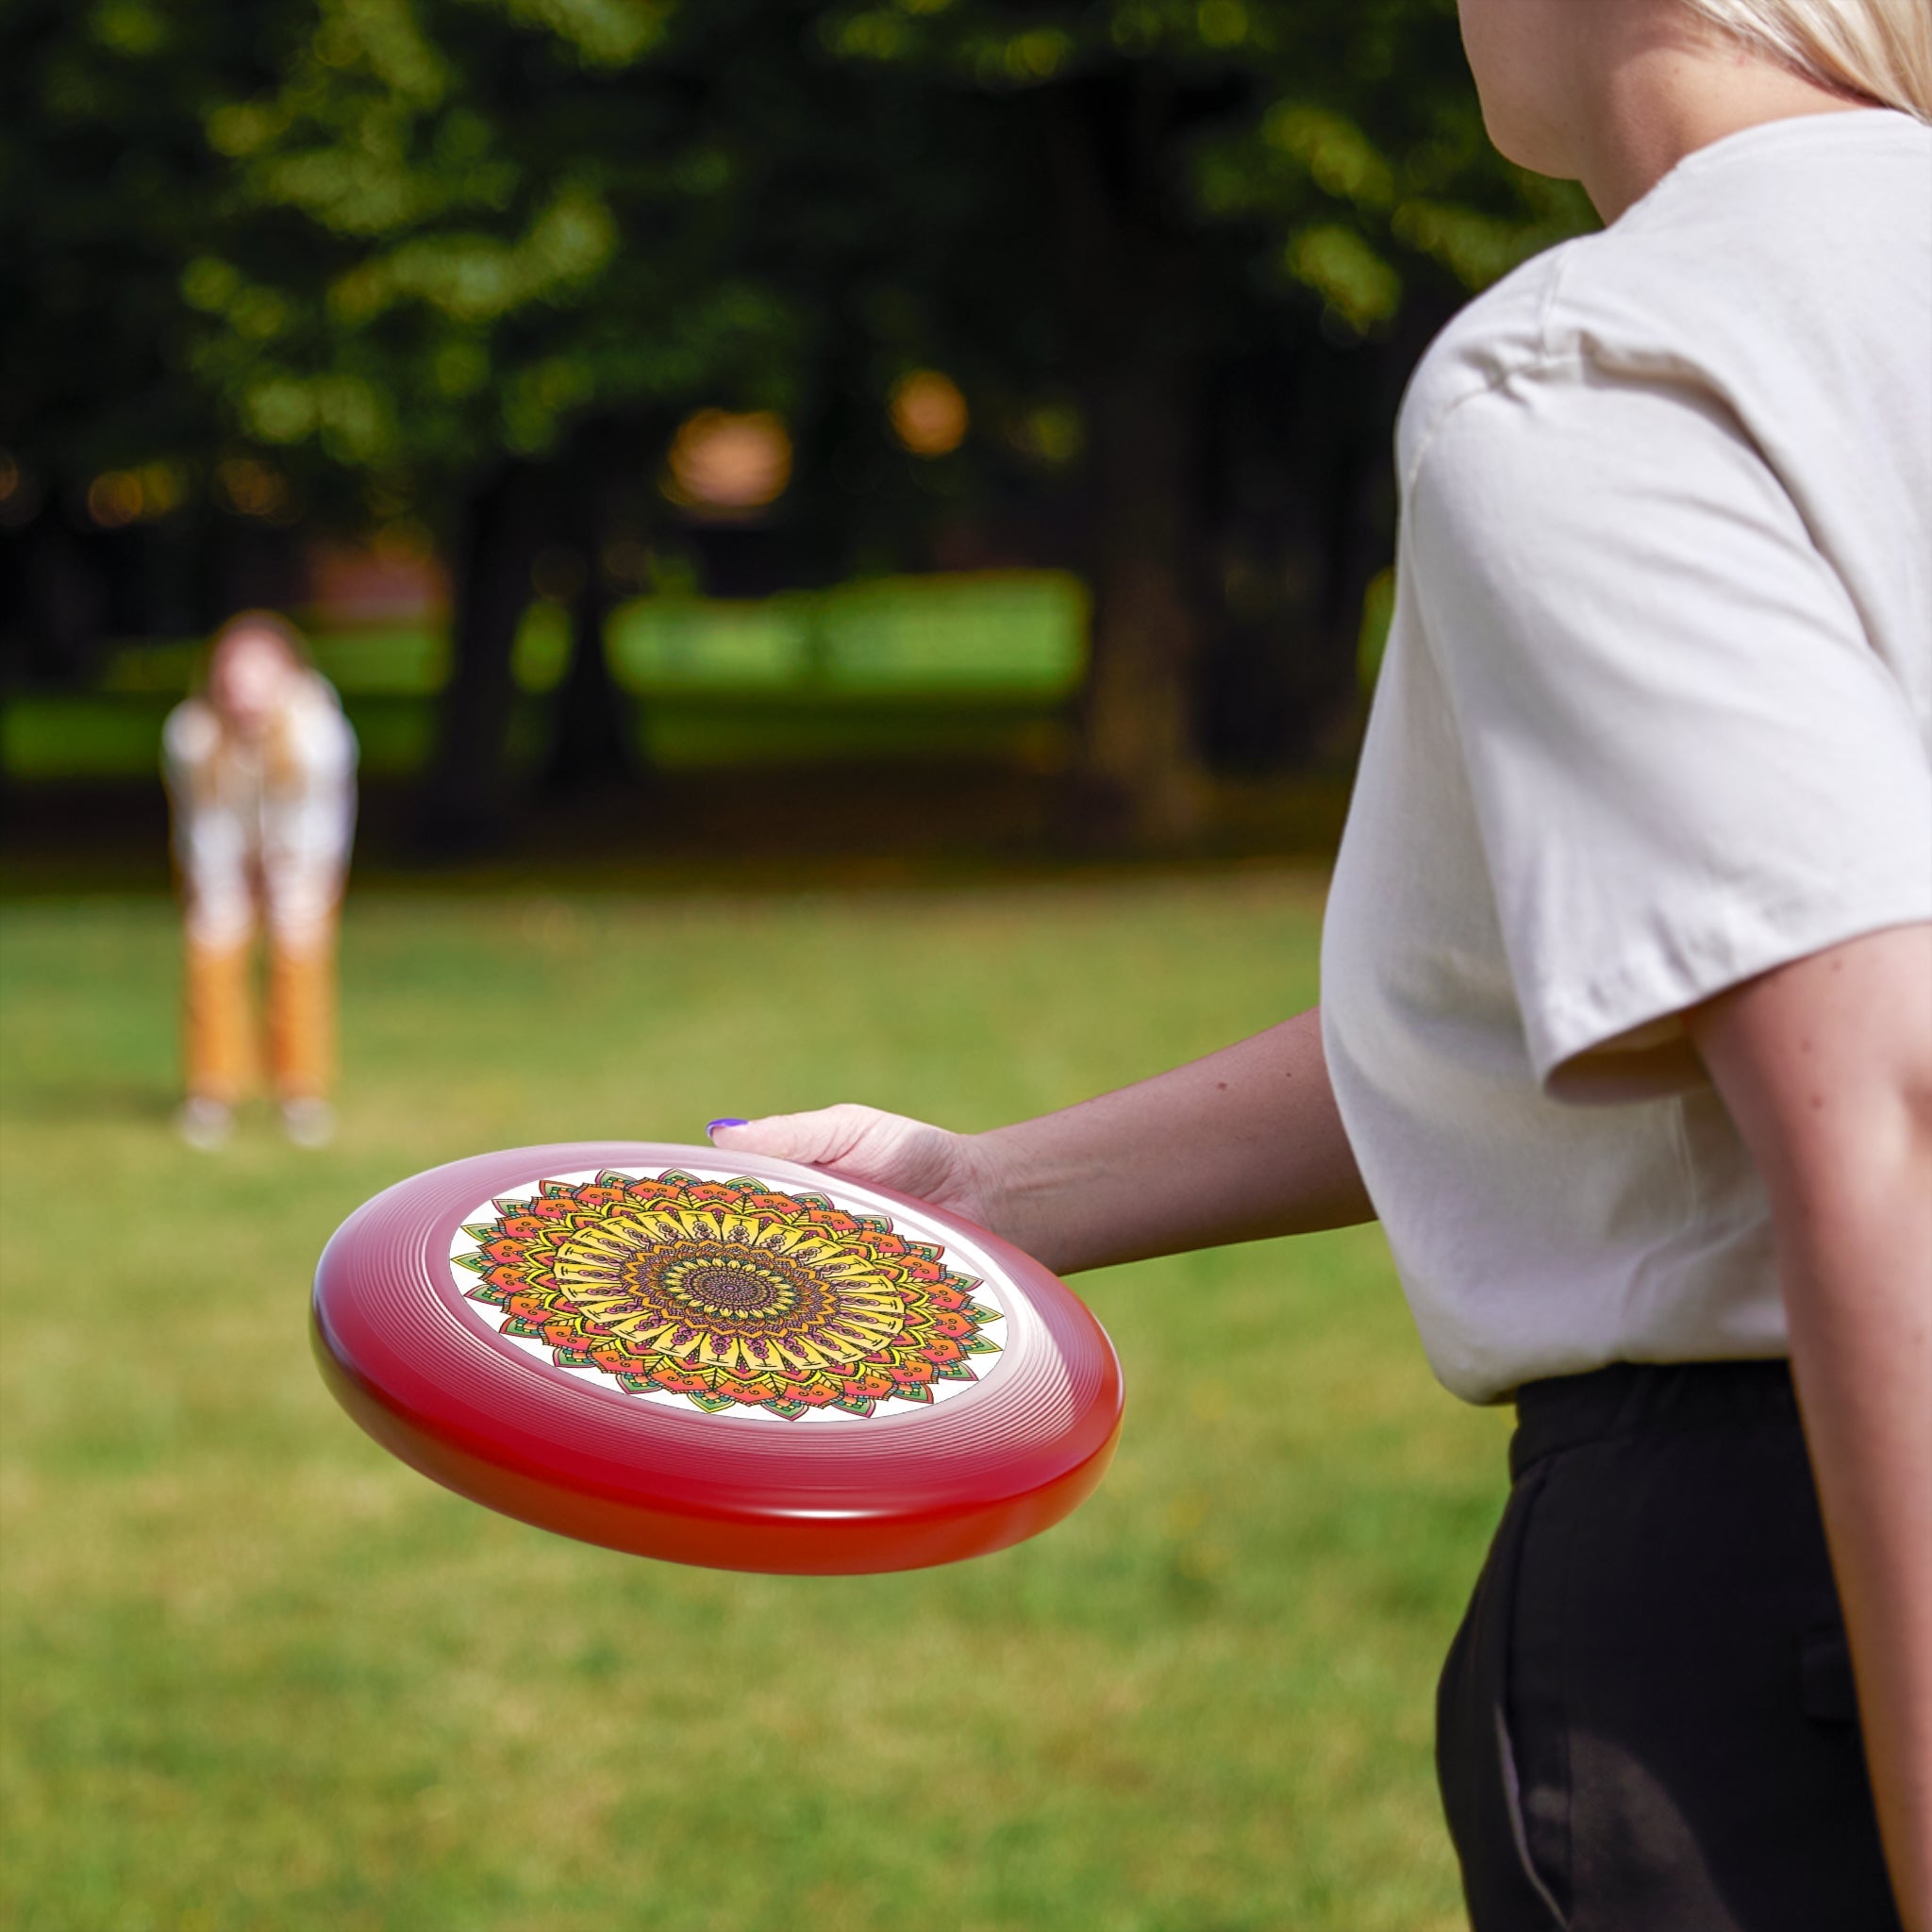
(729,1293)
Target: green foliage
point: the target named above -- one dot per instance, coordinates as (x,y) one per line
(498,238)
(260,1674)
(1347,132)
(396,239)
(106,189)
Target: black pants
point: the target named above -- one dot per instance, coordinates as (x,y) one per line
(1647,1721)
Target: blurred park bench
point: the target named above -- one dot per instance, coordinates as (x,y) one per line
(984,666)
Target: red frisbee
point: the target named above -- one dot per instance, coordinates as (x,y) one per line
(716,1359)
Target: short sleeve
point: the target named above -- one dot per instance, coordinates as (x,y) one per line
(1689,763)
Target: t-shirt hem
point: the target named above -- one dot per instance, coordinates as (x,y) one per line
(1485,1385)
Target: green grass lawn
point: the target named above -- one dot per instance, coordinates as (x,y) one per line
(257,1675)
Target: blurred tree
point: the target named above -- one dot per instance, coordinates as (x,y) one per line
(471,261)
(506,247)
(484,232)
(107,188)
(1234,195)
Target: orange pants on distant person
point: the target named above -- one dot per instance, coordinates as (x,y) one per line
(224,1046)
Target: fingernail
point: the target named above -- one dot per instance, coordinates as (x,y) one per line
(713,1126)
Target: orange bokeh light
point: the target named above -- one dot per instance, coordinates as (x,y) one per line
(728,464)
(930,415)
(115,499)
(251,489)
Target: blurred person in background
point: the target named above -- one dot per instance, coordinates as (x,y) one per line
(260,768)
(1627,1021)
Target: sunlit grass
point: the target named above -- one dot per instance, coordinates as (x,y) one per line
(257,1674)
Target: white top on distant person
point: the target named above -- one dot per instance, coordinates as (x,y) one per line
(1629,961)
(261,767)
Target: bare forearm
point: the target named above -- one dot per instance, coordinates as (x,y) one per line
(1858,1297)
(1243,1144)
(1826,1068)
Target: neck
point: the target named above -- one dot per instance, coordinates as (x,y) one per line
(1662,93)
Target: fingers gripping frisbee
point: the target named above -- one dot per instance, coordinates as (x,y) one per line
(732,1361)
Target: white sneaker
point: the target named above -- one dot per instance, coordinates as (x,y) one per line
(308,1121)
(203,1124)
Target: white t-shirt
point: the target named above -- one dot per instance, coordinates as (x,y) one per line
(249,825)
(1656,716)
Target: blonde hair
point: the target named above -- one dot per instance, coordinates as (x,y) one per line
(1879,50)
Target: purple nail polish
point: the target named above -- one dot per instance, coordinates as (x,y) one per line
(712,1126)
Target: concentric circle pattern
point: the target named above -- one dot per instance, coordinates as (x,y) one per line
(759,1367)
(730,1295)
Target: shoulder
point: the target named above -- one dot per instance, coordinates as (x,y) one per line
(1603,309)
(320,735)
(1755,266)
(1496,337)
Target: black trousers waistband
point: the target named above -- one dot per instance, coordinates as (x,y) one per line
(1635,1398)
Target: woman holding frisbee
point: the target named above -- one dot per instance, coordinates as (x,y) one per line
(261,777)
(1626,1032)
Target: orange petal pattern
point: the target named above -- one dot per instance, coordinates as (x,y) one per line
(729,1293)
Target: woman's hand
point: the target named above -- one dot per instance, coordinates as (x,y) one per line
(885,1149)
(1243,1144)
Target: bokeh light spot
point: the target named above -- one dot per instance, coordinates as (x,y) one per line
(930,415)
(250,488)
(1049,433)
(114,499)
(728,464)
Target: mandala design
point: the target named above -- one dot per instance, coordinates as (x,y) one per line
(729,1294)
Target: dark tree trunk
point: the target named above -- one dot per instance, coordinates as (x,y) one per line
(1132,300)
(1138,715)
(62,603)
(592,735)
(467,802)
(1303,519)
